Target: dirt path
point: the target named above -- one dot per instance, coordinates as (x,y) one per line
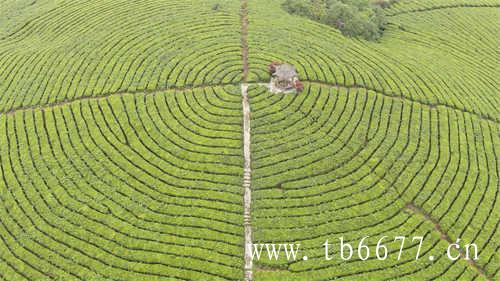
(247,170)
(244,42)
(444,236)
(104,96)
(262,84)
(247,174)
(395,95)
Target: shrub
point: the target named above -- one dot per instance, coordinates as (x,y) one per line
(354,18)
(384,3)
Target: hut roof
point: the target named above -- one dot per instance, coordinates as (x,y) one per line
(285,71)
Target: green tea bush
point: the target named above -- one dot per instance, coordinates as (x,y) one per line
(354,18)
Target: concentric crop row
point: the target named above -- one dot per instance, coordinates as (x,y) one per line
(132,186)
(73,51)
(338,161)
(427,58)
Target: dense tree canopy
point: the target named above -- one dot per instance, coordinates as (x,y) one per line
(354,18)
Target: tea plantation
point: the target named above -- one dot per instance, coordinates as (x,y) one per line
(122,141)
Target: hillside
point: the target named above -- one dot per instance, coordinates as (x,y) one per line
(138,141)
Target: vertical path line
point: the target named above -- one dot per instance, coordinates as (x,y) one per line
(244,34)
(247,170)
(247,175)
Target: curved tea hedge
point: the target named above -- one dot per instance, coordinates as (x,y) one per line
(92,48)
(345,161)
(130,187)
(411,6)
(428,58)
(15,13)
(121,140)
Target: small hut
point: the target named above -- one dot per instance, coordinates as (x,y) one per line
(284,78)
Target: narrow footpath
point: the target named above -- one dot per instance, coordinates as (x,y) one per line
(247,170)
(444,236)
(247,174)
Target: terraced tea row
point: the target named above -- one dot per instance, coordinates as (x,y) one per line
(345,162)
(426,58)
(74,51)
(121,151)
(127,187)
(16,13)
(412,6)
(460,66)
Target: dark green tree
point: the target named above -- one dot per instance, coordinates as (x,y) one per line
(354,18)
